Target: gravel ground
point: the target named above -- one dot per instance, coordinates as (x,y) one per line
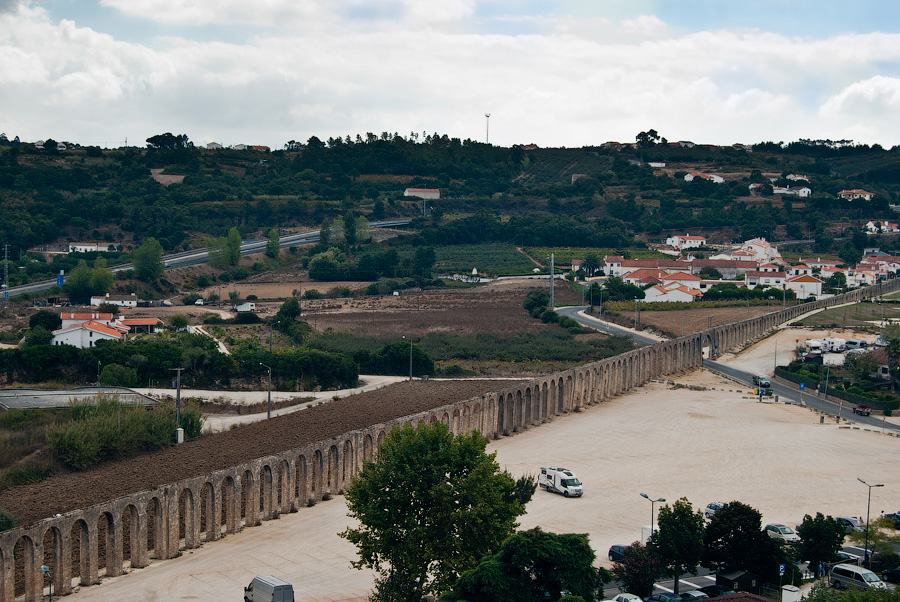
(707,445)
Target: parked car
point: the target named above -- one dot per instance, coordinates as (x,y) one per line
(694,594)
(782,532)
(845,558)
(269,589)
(626,597)
(891,575)
(617,552)
(894,516)
(850,524)
(857,344)
(862,410)
(714,591)
(712,508)
(762,381)
(663,597)
(856,352)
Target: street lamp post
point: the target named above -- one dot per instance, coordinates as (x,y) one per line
(410,357)
(179,432)
(652,504)
(269,388)
(868,506)
(46,571)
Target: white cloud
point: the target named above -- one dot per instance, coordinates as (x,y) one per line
(876,96)
(568,82)
(645,25)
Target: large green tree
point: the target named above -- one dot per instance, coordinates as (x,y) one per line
(430,507)
(734,539)
(273,243)
(147,260)
(46,318)
(233,247)
(678,543)
(217,248)
(820,539)
(530,565)
(635,571)
(84,281)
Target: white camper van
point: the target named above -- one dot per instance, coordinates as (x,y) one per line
(560,480)
(834,345)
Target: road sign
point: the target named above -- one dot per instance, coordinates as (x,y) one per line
(802,386)
(781,569)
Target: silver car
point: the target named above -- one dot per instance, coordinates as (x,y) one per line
(782,532)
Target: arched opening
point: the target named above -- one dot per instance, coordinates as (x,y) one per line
(347,469)
(247,512)
(316,484)
(80,553)
(519,412)
(284,487)
(333,468)
(185,511)
(209,522)
(106,544)
(228,523)
(131,541)
(265,492)
(300,483)
(529,414)
(154,527)
(368,448)
(380,439)
(23,564)
(52,544)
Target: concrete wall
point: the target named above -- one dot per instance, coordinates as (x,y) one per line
(157,524)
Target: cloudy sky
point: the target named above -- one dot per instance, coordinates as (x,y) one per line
(552,72)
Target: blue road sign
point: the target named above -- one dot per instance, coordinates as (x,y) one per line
(802,386)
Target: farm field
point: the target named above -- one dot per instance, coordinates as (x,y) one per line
(859,315)
(695,320)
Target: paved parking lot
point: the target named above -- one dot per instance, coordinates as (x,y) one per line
(704,445)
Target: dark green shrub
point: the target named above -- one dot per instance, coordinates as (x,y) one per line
(26,473)
(6,520)
(118,376)
(189,299)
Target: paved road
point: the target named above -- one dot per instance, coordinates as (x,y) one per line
(602,326)
(198,256)
(808,398)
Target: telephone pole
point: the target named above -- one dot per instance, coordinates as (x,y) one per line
(6,275)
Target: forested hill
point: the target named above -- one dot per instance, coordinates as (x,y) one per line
(89,194)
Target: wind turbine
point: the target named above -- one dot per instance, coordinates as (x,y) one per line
(487,132)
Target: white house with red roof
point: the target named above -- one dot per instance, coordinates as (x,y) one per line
(687,241)
(856,193)
(861,277)
(86,334)
(72,318)
(804,286)
(876,227)
(612,265)
(136,325)
(423,193)
(688,280)
(755,249)
(671,292)
(119,300)
(821,263)
(644,276)
(797,270)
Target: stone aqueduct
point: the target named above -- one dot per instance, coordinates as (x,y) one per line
(161,522)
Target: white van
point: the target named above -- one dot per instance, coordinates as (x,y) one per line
(269,589)
(847,576)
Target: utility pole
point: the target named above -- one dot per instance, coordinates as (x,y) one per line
(552,270)
(179,432)
(6,275)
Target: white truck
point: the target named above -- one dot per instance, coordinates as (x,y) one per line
(834,345)
(813,346)
(560,480)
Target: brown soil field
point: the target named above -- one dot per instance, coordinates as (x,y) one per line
(695,320)
(63,493)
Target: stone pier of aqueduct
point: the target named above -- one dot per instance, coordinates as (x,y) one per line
(160,523)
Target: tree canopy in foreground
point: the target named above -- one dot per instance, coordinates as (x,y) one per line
(430,507)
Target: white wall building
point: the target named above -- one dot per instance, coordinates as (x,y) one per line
(85,335)
(685,242)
